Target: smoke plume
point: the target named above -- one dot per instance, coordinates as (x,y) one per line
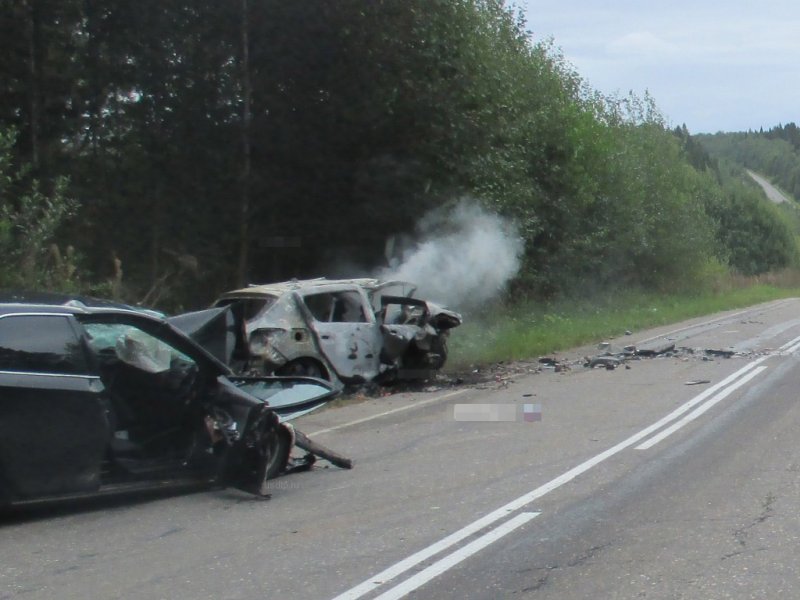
(462,257)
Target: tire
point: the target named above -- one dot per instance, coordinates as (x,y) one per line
(304,367)
(439,346)
(280,447)
(266,457)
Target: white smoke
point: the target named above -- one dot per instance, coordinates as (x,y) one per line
(463,257)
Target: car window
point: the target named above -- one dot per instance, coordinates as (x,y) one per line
(40,344)
(336,307)
(398,288)
(133,346)
(249,307)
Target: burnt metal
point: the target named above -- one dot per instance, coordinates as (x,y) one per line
(348,331)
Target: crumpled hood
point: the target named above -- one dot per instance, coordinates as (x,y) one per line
(442,318)
(213,329)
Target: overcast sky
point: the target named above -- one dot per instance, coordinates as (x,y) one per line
(729,65)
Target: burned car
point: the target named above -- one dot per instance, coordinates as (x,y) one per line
(349,330)
(108,399)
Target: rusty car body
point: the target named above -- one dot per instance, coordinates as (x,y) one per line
(343,330)
(101,399)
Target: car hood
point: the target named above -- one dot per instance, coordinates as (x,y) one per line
(213,329)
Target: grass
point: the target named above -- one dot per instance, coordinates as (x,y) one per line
(530,330)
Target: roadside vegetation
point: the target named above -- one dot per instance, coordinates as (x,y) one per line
(532,330)
(163,156)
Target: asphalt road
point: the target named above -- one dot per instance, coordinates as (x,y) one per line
(773,193)
(633,484)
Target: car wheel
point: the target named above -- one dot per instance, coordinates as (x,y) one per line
(280,446)
(304,367)
(439,347)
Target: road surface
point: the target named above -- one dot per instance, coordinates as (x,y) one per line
(640,482)
(773,193)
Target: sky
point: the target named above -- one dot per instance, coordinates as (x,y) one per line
(713,65)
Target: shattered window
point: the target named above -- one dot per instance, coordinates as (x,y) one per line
(336,307)
(40,344)
(133,346)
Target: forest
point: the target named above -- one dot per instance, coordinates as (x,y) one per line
(161,152)
(775,153)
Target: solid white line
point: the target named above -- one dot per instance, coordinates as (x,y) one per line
(699,411)
(789,344)
(775,304)
(388,412)
(451,560)
(408,563)
(688,327)
(421,556)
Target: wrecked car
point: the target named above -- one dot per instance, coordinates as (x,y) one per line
(99,399)
(347,330)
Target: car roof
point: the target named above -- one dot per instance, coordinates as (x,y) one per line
(19,302)
(278,288)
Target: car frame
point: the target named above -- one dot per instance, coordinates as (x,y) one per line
(101,398)
(343,330)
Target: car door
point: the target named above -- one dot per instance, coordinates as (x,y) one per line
(54,420)
(347,332)
(155,385)
(289,397)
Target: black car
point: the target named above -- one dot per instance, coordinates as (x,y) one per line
(98,398)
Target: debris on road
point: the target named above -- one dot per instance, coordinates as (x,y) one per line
(611,358)
(697,382)
(609,362)
(303,442)
(658,350)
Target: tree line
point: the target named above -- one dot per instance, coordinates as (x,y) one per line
(164,151)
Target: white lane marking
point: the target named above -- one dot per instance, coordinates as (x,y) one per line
(388,412)
(699,411)
(408,563)
(788,344)
(412,561)
(448,562)
(775,304)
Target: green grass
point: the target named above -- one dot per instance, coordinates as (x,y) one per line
(531,330)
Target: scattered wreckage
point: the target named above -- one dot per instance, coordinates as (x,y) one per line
(611,359)
(101,398)
(346,330)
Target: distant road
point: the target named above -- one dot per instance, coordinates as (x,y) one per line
(770,190)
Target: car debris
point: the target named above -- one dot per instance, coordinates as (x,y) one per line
(608,362)
(347,331)
(611,359)
(659,350)
(153,407)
